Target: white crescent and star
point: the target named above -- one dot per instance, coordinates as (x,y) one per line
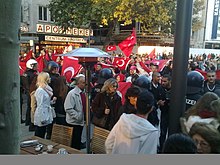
(120,61)
(71,69)
(109,48)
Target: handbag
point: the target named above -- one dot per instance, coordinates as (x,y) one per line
(100,122)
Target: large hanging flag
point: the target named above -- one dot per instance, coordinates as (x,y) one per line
(127,45)
(110,48)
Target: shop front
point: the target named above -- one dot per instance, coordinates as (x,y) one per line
(54,38)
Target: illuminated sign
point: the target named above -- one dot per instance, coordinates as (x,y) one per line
(65,39)
(24,28)
(42,28)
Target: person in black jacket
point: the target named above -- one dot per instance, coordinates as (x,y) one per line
(195,83)
(27,79)
(129,105)
(53,70)
(144,83)
(211,84)
(164,105)
(107,103)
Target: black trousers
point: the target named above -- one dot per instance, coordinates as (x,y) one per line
(28,110)
(76,136)
(41,131)
(61,120)
(163,128)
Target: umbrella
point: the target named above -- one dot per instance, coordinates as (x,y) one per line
(87,52)
(87,57)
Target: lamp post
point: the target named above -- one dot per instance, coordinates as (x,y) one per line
(87,58)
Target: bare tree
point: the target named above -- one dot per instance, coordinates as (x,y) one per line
(9,77)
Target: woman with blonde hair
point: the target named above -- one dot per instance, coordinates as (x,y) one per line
(107,103)
(43,115)
(207,138)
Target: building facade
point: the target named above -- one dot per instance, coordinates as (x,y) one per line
(212,30)
(38,30)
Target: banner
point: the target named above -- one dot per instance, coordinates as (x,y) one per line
(215,20)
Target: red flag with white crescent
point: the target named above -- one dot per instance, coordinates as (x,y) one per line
(110,48)
(127,45)
(121,62)
(70,68)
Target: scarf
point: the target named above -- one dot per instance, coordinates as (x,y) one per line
(49,90)
(207,114)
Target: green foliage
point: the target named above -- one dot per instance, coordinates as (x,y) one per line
(71,13)
(152,14)
(197,22)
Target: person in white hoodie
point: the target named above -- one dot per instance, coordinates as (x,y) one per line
(133,133)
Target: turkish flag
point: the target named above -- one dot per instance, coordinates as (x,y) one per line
(54,57)
(121,62)
(41,65)
(122,87)
(22,67)
(127,45)
(152,54)
(104,65)
(70,68)
(110,48)
(161,63)
(28,56)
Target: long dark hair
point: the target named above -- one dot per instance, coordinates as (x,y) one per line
(60,87)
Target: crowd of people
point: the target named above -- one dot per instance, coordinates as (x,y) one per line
(137,116)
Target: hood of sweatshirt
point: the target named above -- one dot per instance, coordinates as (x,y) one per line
(133,126)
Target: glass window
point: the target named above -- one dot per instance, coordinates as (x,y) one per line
(21,14)
(40,13)
(51,17)
(45,14)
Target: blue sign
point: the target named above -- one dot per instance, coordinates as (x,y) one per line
(215,20)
